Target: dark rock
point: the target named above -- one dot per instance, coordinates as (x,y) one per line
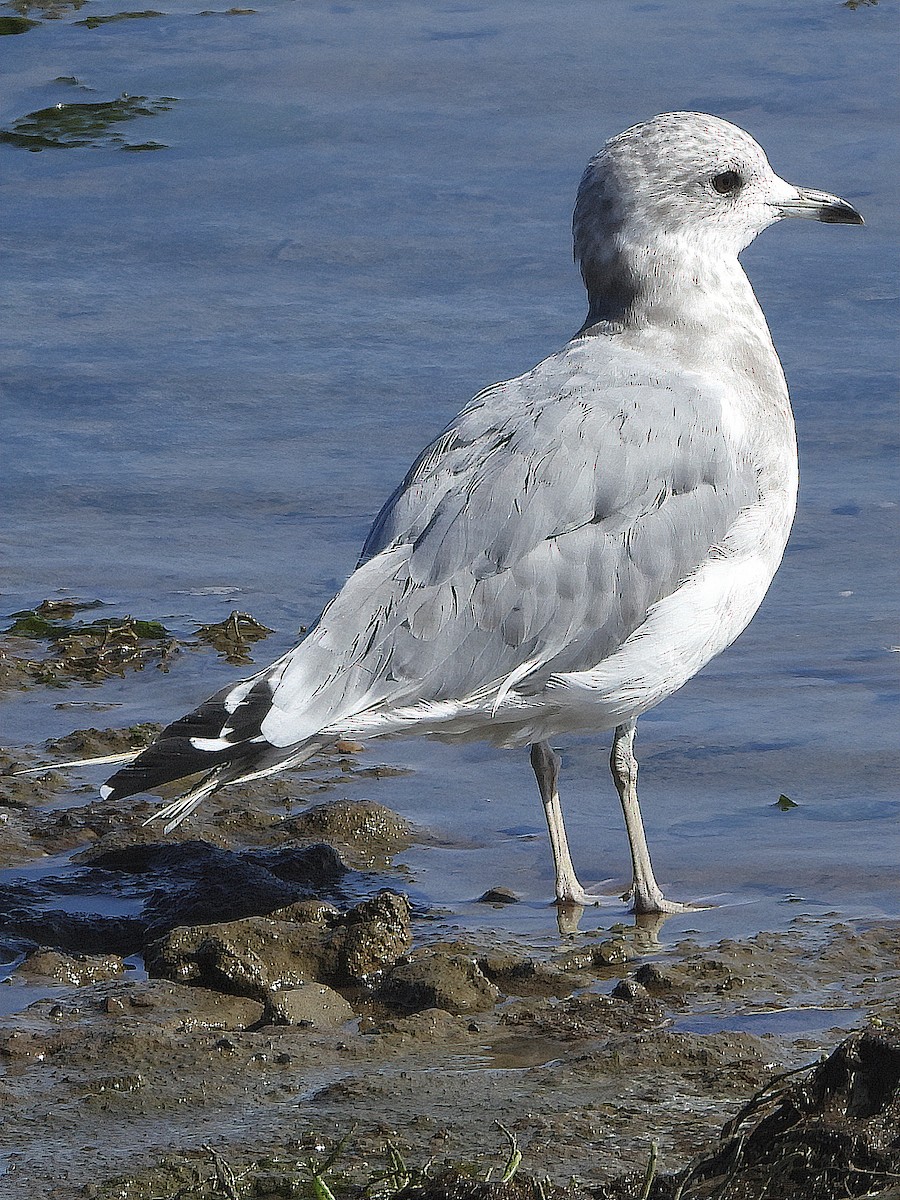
(656,980)
(575,960)
(630,990)
(498,895)
(612,953)
(259,956)
(313,867)
(429,1025)
(195,883)
(311,1004)
(368,834)
(176,883)
(251,957)
(370,937)
(78,969)
(526,976)
(583,1016)
(90,743)
(315,912)
(434,978)
(608,953)
(72,931)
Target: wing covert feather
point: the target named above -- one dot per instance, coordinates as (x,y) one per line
(540,526)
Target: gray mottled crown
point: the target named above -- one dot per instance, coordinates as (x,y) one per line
(652,182)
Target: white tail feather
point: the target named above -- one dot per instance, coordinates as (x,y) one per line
(173,814)
(295,759)
(100,760)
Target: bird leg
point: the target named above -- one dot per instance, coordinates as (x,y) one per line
(645,891)
(546,764)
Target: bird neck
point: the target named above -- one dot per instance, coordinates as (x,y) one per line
(699,310)
(698,304)
(670,284)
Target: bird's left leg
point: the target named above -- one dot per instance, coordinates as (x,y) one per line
(645,891)
(545,764)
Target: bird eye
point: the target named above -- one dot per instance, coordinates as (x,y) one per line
(726,183)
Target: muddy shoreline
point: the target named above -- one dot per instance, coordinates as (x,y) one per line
(219,1009)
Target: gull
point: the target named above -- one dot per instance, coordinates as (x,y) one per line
(579,541)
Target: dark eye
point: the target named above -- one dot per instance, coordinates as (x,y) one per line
(726,183)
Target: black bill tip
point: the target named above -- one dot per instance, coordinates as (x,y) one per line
(839,212)
(820,206)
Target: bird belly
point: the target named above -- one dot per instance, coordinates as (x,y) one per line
(680,635)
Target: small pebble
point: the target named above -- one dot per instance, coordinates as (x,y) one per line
(498,895)
(630,989)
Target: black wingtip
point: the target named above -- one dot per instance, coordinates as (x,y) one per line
(229,735)
(168,760)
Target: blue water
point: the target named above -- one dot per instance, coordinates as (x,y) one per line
(219,357)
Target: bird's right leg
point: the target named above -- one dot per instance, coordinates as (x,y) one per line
(545,764)
(645,894)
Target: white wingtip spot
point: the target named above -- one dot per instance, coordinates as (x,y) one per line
(210,745)
(238,694)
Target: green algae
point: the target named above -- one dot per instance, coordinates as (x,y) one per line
(89,649)
(85,124)
(111,18)
(13,25)
(234,635)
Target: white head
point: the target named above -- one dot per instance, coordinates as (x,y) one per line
(681,186)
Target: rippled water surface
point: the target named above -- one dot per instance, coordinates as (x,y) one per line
(258,259)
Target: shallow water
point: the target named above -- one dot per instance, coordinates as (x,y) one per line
(220,355)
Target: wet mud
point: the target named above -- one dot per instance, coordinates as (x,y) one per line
(252,1007)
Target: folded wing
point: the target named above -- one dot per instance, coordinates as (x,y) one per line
(530,538)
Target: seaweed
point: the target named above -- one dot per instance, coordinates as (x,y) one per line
(90,649)
(12,25)
(232,636)
(88,123)
(111,18)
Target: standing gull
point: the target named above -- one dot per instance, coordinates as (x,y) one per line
(579,541)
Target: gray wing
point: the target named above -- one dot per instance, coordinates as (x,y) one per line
(534,533)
